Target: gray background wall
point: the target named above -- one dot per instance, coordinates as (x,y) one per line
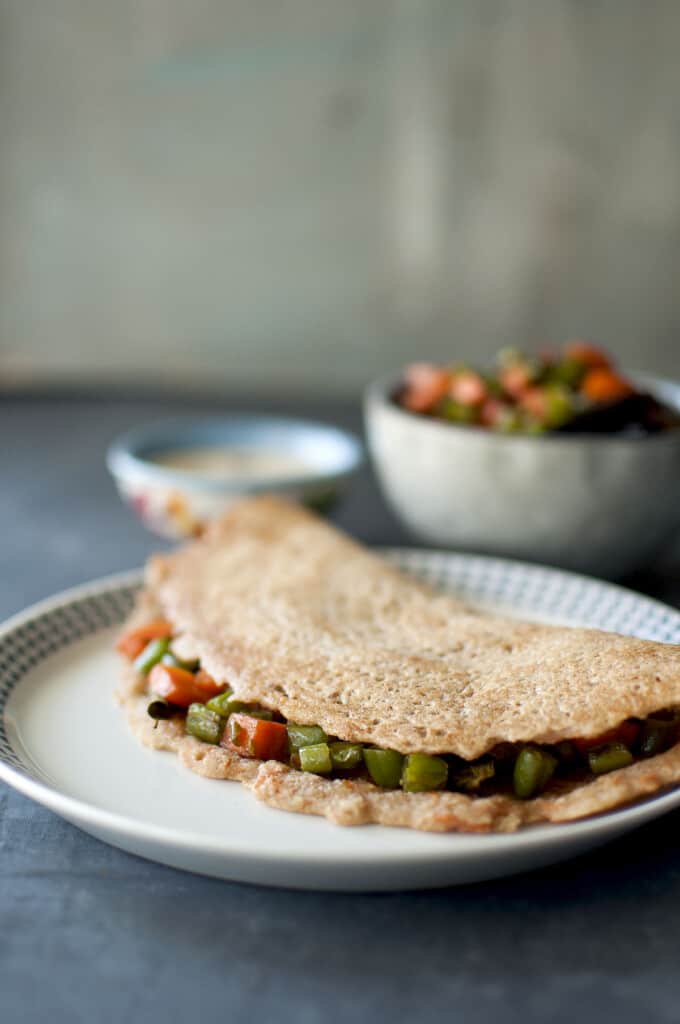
(302,193)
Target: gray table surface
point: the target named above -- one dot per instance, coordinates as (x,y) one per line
(88,933)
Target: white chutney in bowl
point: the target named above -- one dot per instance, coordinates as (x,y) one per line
(180,474)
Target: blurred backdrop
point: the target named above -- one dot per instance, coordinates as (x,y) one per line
(256,195)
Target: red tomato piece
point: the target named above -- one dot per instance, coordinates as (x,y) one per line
(425,386)
(468,388)
(516,378)
(536,402)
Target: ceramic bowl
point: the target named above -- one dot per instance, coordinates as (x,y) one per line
(178,503)
(597,504)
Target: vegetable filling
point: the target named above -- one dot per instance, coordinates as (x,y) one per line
(213,714)
(576,389)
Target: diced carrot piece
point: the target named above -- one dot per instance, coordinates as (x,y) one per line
(181,687)
(205,683)
(176,684)
(626,733)
(425,386)
(589,355)
(601,385)
(204,678)
(132,643)
(255,737)
(468,388)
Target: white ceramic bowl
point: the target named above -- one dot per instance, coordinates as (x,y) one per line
(178,504)
(593,503)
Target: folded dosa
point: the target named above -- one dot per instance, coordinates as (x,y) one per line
(299,618)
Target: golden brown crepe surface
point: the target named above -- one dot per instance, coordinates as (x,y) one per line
(298,617)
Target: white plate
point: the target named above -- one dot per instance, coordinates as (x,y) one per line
(64,742)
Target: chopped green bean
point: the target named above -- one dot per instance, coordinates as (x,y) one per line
(423,772)
(609,758)
(569,372)
(232,706)
(533,770)
(384,766)
(175,662)
(510,422)
(533,426)
(345,756)
(304,735)
(456,412)
(226,704)
(158,708)
(151,655)
(204,724)
(223,703)
(493,386)
(657,735)
(559,406)
(316,758)
(471,776)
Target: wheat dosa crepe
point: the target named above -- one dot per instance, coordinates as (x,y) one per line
(299,618)
(355,802)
